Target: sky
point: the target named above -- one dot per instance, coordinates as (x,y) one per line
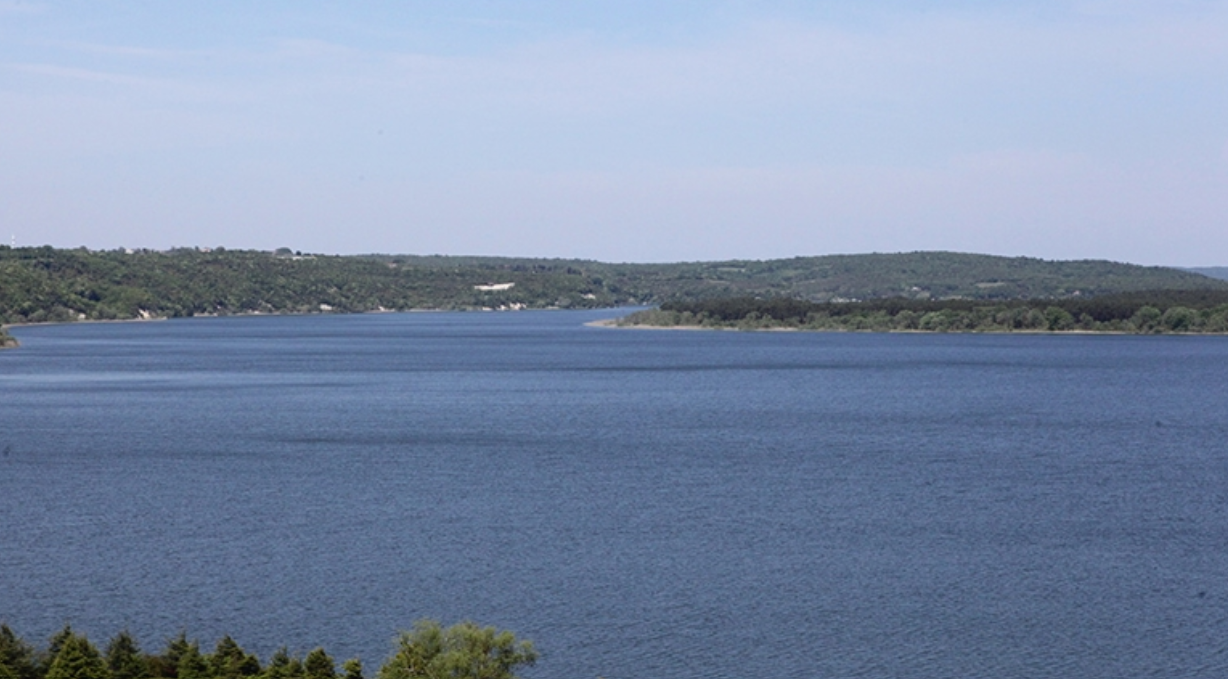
(628,130)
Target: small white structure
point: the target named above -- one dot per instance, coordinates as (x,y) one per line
(494,287)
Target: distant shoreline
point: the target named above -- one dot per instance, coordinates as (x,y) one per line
(34,324)
(254,314)
(9,342)
(156,319)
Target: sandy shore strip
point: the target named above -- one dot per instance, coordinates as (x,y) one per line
(613,323)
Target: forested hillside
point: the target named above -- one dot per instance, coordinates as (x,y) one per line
(47,284)
(44,284)
(1172,311)
(916,275)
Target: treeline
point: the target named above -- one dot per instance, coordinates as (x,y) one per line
(1172,311)
(48,284)
(462,651)
(912,275)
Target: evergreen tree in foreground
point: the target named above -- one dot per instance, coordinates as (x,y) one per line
(352,668)
(53,649)
(17,659)
(319,665)
(77,658)
(166,666)
(283,666)
(192,664)
(230,661)
(124,658)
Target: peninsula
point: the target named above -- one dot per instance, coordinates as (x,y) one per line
(1148,312)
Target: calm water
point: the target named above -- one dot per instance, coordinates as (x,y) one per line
(640,504)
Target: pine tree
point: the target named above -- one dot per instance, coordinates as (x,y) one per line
(54,645)
(77,658)
(192,664)
(283,666)
(250,666)
(319,665)
(166,666)
(124,658)
(17,659)
(230,661)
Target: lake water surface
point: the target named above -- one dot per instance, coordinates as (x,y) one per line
(640,504)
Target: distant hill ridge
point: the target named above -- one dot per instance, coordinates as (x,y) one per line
(1220,272)
(49,284)
(919,275)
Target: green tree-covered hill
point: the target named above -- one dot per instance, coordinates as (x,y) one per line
(916,275)
(1149,312)
(48,284)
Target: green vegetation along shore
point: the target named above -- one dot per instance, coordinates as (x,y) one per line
(1188,311)
(46,284)
(428,651)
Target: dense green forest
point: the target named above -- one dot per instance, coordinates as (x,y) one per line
(428,651)
(48,284)
(45,284)
(913,275)
(1175,311)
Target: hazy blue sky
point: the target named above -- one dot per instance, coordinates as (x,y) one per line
(620,131)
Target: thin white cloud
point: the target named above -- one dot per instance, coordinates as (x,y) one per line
(82,74)
(138,52)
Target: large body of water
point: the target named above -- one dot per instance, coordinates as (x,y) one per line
(640,504)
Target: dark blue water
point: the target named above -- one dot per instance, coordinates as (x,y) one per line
(639,503)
